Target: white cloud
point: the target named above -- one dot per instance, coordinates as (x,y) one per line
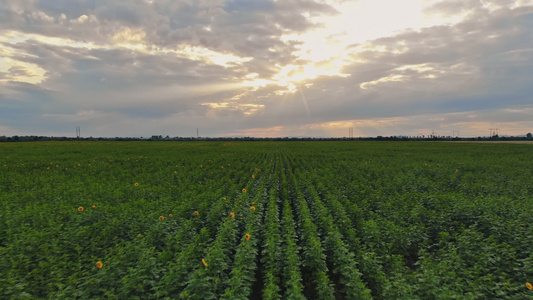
(285,67)
(82,19)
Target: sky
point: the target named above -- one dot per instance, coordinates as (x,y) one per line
(266,68)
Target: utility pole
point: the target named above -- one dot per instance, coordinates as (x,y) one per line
(455,133)
(197,136)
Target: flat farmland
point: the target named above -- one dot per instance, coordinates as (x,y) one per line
(266,220)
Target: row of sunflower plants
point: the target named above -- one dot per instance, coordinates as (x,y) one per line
(372,271)
(271,247)
(292,262)
(243,275)
(134,215)
(205,216)
(212,278)
(292,280)
(337,231)
(344,218)
(178,276)
(344,266)
(405,227)
(329,220)
(315,270)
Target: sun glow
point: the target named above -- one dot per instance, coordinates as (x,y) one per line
(324,51)
(291,76)
(21,71)
(368,84)
(244,108)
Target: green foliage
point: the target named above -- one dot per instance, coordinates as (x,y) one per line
(330,220)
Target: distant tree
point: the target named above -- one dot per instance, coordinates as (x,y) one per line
(528,135)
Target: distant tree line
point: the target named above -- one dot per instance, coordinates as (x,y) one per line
(33,138)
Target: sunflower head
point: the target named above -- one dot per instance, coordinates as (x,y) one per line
(80,208)
(247,236)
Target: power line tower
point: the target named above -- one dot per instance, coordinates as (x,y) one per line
(455,133)
(78,132)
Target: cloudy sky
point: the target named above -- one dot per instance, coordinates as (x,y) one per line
(266,68)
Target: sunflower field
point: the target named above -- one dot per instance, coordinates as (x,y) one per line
(266,220)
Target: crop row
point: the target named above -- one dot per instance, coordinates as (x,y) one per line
(282,220)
